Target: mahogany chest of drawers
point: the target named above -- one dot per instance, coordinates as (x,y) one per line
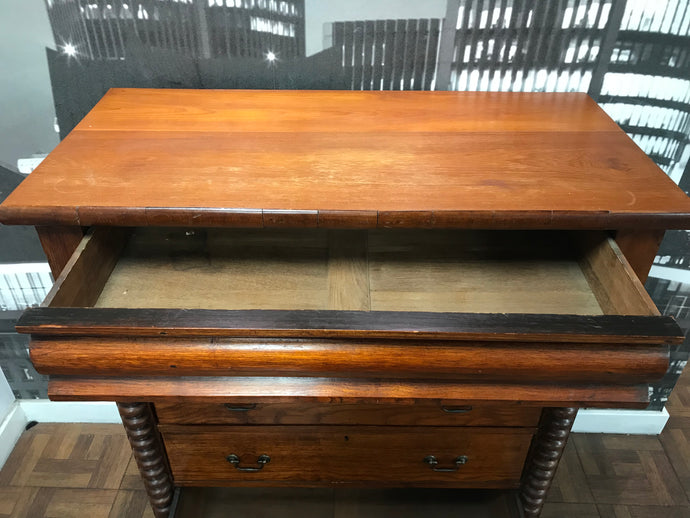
(401,289)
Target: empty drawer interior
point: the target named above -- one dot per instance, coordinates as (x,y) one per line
(377,270)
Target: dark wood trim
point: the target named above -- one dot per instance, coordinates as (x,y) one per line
(149,454)
(199,217)
(59,243)
(351,324)
(361,218)
(39,215)
(545,454)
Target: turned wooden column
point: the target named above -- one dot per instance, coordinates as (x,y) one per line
(549,443)
(147,446)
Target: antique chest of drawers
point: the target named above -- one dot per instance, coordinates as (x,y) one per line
(367,288)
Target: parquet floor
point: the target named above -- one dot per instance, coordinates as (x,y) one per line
(628,476)
(87,471)
(72,470)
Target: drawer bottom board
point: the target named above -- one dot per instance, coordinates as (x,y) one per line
(367,455)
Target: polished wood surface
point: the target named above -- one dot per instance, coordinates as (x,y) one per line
(388,456)
(339,159)
(383,270)
(422,414)
(193,389)
(504,362)
(544,457)
(148,451)
(354,160)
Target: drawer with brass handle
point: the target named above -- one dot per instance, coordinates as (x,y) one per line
(324,455)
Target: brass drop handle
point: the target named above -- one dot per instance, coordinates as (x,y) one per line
(456,409)
(234,408)
(262,460)
(433,462)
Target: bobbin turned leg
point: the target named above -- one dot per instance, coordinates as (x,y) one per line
(550,441)
(147,446)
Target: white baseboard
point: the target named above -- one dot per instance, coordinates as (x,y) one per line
(45,411)
(644,422)
(11,429)
(640,422)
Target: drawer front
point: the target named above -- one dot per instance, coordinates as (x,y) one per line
(312,455)
(427,414)
(462,337)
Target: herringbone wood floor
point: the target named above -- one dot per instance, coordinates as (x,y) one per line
(87,471)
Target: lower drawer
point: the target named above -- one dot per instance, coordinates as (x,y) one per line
(426,414)
(315,455)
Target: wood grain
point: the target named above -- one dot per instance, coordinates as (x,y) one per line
(338,390)
(149,453)
(545,454)
(338,454)
(471,361)
(348,271)
(456,271)
(59,243)
(422,414)
(387,271)
(495,327)
(421,159)
(88,269)
(639,247)
(614,282)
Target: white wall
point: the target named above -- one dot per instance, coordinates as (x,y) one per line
(26,100)
(6,396)
(12,420)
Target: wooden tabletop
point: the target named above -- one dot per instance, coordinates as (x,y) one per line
(348,159)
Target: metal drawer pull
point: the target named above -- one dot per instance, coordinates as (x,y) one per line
(261,461)
(233,408)
(433,462)
(456,409)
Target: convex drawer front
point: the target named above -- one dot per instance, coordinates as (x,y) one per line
(422,414)
(486,457)
(566,308)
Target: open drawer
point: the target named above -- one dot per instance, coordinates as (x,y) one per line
(512,309)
